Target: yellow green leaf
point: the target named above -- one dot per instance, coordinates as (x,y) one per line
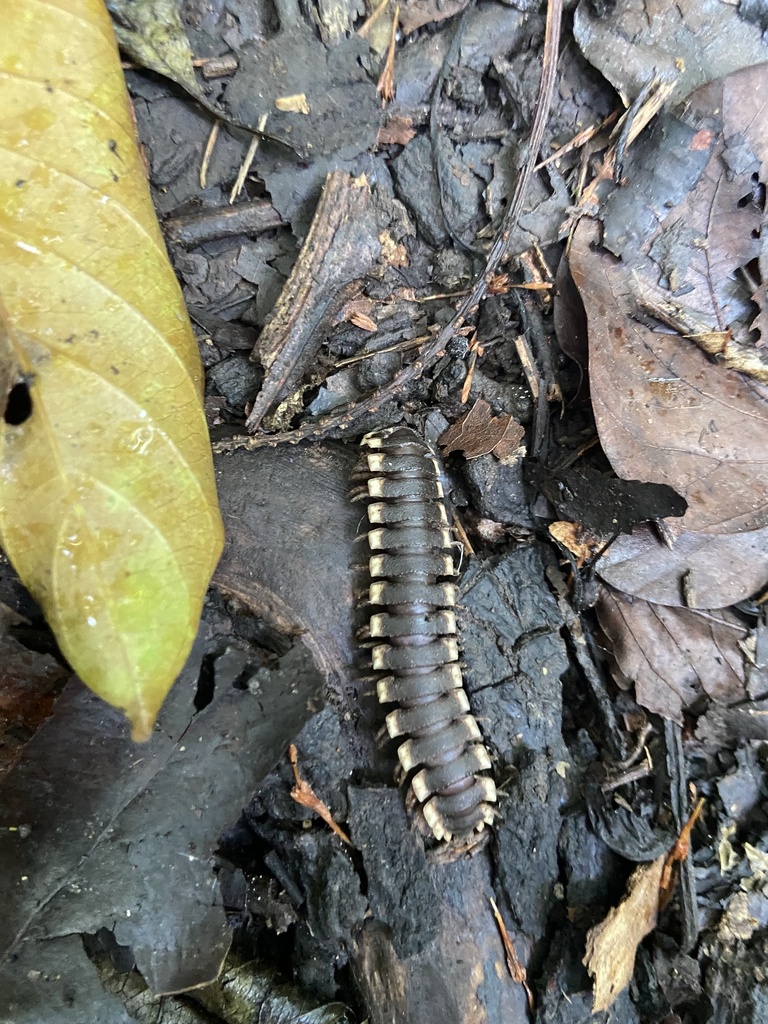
(107,499)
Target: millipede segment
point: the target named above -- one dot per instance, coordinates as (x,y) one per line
(413,631)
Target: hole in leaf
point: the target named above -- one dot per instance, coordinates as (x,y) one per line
(756,197)
(18,407)
(206,684)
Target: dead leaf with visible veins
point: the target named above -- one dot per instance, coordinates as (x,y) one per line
(674,655)
(696,570)
(612,944)
(478,433)
(673,246)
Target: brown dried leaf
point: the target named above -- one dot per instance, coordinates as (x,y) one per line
(612,944)
(357,311)
(478,433)
(398,131)
(673,654)
(699,570)
(665,412)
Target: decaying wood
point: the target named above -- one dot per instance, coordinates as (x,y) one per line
(251,218)
(340,248)
(459,977)
(289,529)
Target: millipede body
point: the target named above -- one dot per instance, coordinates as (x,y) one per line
(412,629)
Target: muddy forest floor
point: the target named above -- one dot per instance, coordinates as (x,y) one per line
(599,399)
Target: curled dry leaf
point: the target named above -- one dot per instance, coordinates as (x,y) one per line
(612,944)
(674,655)
(108,506)
(478,433)
(678,236)
(577,540)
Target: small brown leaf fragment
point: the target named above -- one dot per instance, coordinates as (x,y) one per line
(499,284)
(673,654)
(577,540)
(478,433)
(357,311)
(296,104)
(612,944)
(303,794)
(398,131)
(217,67)
(364,322)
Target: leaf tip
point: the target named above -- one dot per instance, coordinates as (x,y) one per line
(141,726)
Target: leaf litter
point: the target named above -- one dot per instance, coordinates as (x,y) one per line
(477,151)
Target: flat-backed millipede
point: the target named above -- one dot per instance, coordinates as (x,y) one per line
(412,630)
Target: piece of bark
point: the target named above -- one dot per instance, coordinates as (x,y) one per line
(340,248)
(251,218)
(290,528)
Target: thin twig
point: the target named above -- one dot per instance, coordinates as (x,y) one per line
(400,346)
(245,167)
(371,20)
(578,140)
(214,134)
